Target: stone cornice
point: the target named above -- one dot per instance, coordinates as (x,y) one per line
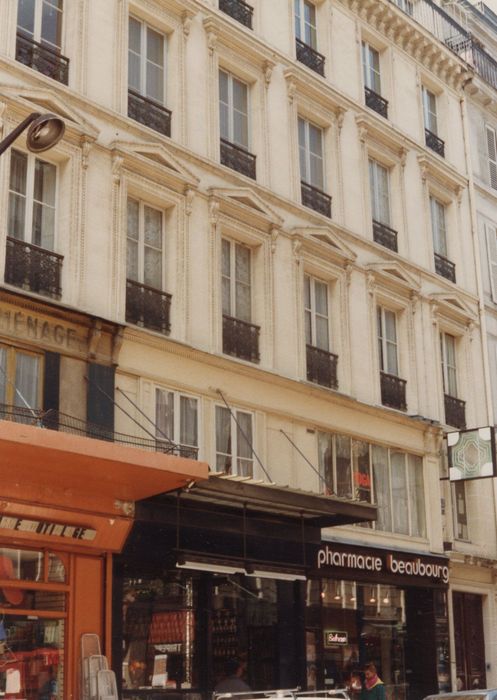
(246,44)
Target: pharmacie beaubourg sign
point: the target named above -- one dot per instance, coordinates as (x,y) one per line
(376,562)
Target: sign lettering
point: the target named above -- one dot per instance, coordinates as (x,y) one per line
(18,323)
(44,527)
(331,637)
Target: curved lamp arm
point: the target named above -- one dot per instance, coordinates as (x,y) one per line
(45,131)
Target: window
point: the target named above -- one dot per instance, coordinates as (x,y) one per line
(146,61)
(305,23)
(311,154)
(234,442)
(459,510)
(371,68)
(317,331)
(449,372)
(20,378)
(32,190)
(492,155)
(176,419)
(437,211)
(41,20)
(145,244)
(430,111)
(387,341)
(233,109)
(491,237)
(236,280)
(380,197)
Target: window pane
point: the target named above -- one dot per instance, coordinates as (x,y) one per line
(134,35)
(26,15)
(164,414)
(321,293)
(153,227)
(133,219)
(188,421)
(223,87)
(132,260)
(460,510)
(240,96)
(134,81)
(244,444)
(362,478)
(325,461)
(152,273)
(44,183)
(322,333)
(243,302)
(224,128)
(240,129)
(51,25)
(297,18)
(343,462)
(56,569)
(155,82)
(17,216)
(381,487)
(155,47)
(26,382)
(242,264)
(3,375)
(316,172)
(223,430)
(43,226)
(308,328)
(18,172)
(416,496)
(399,493)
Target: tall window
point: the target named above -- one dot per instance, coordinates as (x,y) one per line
(317,332)
(491,155)
(430,110)
(380,196)
(387,341)
(459,510)
(305,22)
(236,280)
(311,154)
(176,418)
(438,229)
(144,260)
(233,109)
(371,68)
(146,61)
(20,375)
(405,5)
(234,442)
(41,20)
(31,215)
(449,370)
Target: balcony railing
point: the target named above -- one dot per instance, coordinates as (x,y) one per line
(393,391)
(455,412)
(240,339)
(55,420)
(147,307)
(239,10)
(237,158)
(42,58)
(310,57)
(30,267)
(435,143)
(376,102)
(322,367)
(384,235)
(445,268)
(316,199)
(149,113)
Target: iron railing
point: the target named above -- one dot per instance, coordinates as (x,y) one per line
(322,367)
(384,235)
(310,57)
(376,102)
(435,143)
(240,339)
(316,199)
(238,158)
(239,10)
(393,391)
(455,412)
(445,268)
(42,58)
(148,307)
(149,113)
(30,267)
(56,420)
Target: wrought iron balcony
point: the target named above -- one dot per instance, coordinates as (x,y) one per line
(455,412)
(384,235)
(376,102)
(322,367)
(149,112)
(316,199)
(240,339)
(445,268)
(393,391)
(237,158)
(310,57)
(30,267)
(42,58)
(147,307)
(435,143)
(239,10)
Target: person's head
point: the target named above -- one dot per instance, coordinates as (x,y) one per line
(233,667)
(370,670)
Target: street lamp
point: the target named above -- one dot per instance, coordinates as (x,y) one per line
(45,130)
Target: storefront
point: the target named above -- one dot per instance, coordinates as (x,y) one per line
(383,606)
(215,573)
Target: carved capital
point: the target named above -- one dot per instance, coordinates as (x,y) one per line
(348,273)
(434,312)
(86,144)
(189,196)
(403,157)
(117,166)
(275,232)
(415,297)
(370,284)
(211,41)
(291,87)
(340,117)
(214,212)
(186,21)
(267,68)
(296,249)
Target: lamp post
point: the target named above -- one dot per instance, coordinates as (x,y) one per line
(45,130)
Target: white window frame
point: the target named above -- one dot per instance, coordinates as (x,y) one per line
(446,366)
(144,26)
(8,377)
(233,281)
(177,427)
(29,199)
(377,195)
(368,68)
(311,312)
(141,239)
(430,112)
(38,14)
(491,243)
(234,454)
(491,141)
(231,110)
(308,37)
(384,342)
(304,148)
(439,226)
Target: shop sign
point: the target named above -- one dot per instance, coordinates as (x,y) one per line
(332,638)
(472,454)
(329,557)
(40,330)
(45,527)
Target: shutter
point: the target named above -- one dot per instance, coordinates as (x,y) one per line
(99,408)
(491,237)
(51,381)
(492,156)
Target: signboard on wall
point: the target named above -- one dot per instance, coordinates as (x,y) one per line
(471,454)
(334,638)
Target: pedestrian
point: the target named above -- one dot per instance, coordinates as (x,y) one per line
(373,688)
(233,681)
